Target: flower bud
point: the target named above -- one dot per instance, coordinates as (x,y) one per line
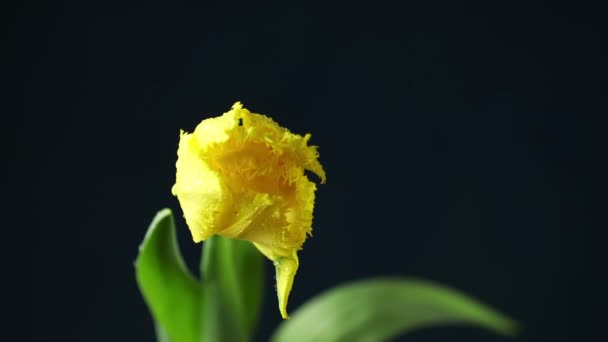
(241,176)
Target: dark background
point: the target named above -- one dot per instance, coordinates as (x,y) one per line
(462,143)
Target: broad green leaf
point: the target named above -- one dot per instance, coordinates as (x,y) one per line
(169,289)
(378,309)
(232,275)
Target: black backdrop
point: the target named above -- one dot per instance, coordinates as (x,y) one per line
(461,143)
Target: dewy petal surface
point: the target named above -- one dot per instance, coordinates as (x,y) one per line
(241,176)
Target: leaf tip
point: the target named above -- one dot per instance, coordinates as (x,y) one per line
(160,216)
(510,327)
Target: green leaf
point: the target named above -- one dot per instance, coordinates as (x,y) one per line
(378,309)
(232,275)
(169,289)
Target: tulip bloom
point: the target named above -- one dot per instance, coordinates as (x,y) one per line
(241,176)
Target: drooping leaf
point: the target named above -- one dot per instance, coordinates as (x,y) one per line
(378,309)
(232,276)
(169,289)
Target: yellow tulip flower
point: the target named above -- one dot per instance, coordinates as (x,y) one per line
(241,176)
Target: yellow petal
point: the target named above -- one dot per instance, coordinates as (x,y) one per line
(201,192)
(285,272)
